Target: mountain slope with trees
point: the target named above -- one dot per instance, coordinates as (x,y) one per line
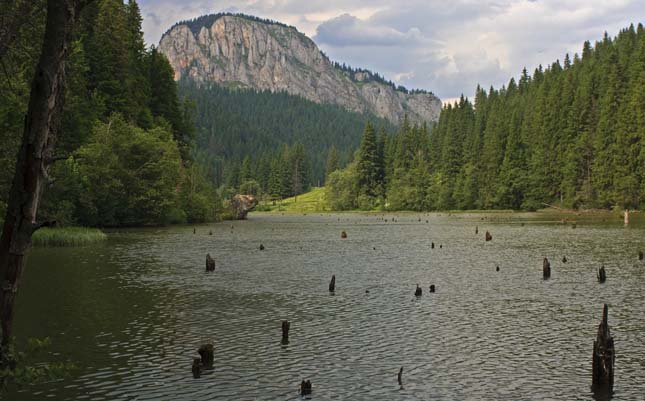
(571,134)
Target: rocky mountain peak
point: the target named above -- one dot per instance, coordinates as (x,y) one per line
(248,52)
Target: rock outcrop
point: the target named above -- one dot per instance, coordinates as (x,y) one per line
(246,52)
(241,205)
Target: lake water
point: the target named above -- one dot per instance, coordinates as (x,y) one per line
(131,312)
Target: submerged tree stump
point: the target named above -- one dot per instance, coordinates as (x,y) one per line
(285,331)
(418,291)
(564,259)
(206,354)
(546,269)
(332,283)
(603,354)
(400,377)
(261,247)
(432,288)
(432,245)
(343,234)
(476,230)
(305,388)
(602,275)
(640,255)
(210,263)
(196,368)
(489,237)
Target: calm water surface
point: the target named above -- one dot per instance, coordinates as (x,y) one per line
(131,312)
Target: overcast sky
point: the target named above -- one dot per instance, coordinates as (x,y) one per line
(447,47)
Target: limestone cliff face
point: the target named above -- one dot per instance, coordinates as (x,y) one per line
(240,51)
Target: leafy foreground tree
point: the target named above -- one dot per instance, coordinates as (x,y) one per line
(35,157)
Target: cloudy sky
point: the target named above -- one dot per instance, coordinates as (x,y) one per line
(443,46)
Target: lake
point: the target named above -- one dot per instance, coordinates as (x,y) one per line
(131,312)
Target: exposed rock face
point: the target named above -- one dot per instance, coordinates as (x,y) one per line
(239,51)
(241,205)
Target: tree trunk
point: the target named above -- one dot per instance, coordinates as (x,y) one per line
(35,155)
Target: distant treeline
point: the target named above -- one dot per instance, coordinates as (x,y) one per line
(237,128)
(373,77)
(571,135)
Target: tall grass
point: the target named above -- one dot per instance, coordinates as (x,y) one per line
(67,236)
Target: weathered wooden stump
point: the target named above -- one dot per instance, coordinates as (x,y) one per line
(432,245)
(194,230)
(196,368)
(489,237)
(400,377)
(546,269)
(602,275)
(432,288)
(285,331)
(210,232)
(564,259)
(418,291)
(343,234)
(206,353)
(210,263)
(476,230)
(497,268)
(305,388)
(440,246)
(603,354)
(332,283)
(261,247)
(640,255)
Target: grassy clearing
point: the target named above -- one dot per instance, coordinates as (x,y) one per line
(309,202)
(67,236)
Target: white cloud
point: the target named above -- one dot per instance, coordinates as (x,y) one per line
(445,47)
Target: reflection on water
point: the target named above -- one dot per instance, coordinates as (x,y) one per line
(132,312)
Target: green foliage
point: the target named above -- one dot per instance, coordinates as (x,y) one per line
(67,236)
(233,124)
(18,368)
(125,134)
(572,136)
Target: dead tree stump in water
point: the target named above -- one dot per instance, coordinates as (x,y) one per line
(603,354)
(432,245)
(206,354)
(261,247)
(343,234)
(400,377)
(476,230)
(488,236)
(640,255)
(196,368)
(564,259)
(432,288)
(546,269)
(285,331)
(418,292)
(602,275)
(332,283)
(497,268)
(210,263)
(305,388)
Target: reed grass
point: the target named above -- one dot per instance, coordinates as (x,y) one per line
(67,236)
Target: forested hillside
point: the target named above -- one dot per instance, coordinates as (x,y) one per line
(124,153)
(571,134)
(244,135)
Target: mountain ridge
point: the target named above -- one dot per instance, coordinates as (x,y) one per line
(254,53)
